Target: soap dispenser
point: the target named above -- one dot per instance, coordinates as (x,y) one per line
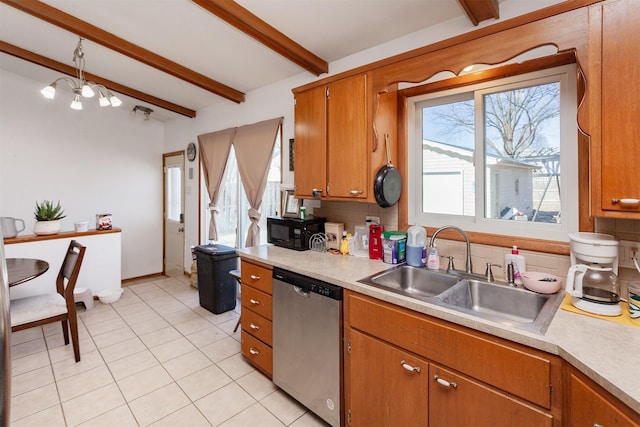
(433,260)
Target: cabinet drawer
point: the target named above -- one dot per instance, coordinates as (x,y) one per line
(257,301)
(257,326)
(258,353)
(256,275)
(508,366)
(482,404)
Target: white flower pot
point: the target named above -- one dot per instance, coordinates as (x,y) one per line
(43,228)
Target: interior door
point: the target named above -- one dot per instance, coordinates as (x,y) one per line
(174,214)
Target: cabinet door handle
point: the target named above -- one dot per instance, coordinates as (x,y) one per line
(254,302)
(632,202)
(355,192)
(254,326)
(445,382)
(254,351)
(254,277)
(410,368)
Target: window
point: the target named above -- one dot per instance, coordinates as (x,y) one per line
(498,157)
(233,221)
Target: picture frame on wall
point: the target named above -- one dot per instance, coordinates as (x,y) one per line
(291,206)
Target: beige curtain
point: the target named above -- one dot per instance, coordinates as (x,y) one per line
(214,152)
(253,145)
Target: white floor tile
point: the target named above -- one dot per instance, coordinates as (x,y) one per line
(257,385)
(28,348)
(122,349)
(224,403)
(151,325)
(31,380)
(113,337)
(65,352)
(51,417)
(222,349)
(187,364)
(283,406)
(133,364)
(235,366)
(85,382)
(120,416)
(69,367)
(29,363)
(160,336)
(172,349)
(254,416)
(203,382)
(193,325)
(189,416)
(34,401)
(137,385)
(309,419)
(92,404)
(26,335)
(158,404)
(206,336)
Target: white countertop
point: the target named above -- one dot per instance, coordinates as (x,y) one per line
(607,352)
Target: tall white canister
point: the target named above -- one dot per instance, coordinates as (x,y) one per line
(416,246)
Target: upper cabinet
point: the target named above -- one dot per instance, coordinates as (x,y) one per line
(332,140)
(616,178)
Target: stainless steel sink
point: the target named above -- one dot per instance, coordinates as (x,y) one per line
(499,303)
(418,282)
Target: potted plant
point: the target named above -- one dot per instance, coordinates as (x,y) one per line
(48,218)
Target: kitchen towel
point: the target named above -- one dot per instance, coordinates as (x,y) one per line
(623,318)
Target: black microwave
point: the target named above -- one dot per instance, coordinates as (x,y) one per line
(293,233)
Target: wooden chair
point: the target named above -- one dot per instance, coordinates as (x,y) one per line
(38,310)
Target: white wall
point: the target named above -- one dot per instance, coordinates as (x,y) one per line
(94,161)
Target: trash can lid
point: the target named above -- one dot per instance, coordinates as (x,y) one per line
(215,249)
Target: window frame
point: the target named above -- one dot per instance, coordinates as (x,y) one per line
(569,158)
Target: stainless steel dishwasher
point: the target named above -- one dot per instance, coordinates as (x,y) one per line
(307,342)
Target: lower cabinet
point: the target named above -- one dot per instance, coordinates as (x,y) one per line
(455,400)
(256,316)
(590,405)
(403,368)
(389,387)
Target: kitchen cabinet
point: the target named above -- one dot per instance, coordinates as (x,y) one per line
(332,140)
(391,385)
(590,405)
(497,382)
(616,174)
(256,317)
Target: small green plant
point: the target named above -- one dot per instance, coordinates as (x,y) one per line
(46,211)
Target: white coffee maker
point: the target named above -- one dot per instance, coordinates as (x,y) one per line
(592,280)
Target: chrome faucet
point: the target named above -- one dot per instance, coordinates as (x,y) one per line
(469,267)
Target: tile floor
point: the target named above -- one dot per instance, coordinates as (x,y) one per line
(156,358)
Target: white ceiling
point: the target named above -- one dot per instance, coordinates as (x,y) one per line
(191,36)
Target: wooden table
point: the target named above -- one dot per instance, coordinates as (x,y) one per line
(22,270)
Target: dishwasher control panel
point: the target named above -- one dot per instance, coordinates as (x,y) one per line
(308,284)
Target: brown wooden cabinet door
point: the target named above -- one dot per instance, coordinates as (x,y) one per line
(588,408)
(382,391)
(310,147)
(460,401)
(347,154)
(620,106)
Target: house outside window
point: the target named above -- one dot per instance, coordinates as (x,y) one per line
(498,157)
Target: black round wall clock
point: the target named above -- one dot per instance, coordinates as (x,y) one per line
(191,151)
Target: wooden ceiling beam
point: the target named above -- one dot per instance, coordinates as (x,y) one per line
(480,10)
(245,21)
(71,71)
(91,32)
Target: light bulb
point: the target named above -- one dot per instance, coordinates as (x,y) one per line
(87,92)
(76,104)
(115,101)
(49,92)
(102,100)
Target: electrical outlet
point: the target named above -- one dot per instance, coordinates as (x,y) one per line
(372,219)
(627,250)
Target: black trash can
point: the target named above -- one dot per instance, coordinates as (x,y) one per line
(216,287)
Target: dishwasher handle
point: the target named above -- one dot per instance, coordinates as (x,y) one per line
(301,292)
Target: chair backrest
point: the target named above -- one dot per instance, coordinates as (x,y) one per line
(70,269)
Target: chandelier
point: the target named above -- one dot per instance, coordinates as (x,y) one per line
(80,87)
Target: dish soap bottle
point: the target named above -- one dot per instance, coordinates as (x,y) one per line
(433,260)
(344,244)
(519,264)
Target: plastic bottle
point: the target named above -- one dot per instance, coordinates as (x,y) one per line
(433,260)
(416,240)
(344,244)
(519,264)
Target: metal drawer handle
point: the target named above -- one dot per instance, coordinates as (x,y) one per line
(254,327)
(410,368)
(254,302)
(254,351)
(634,202)
(355,192)
(254,277)
(445,382)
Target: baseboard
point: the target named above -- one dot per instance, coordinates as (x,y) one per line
(134,280)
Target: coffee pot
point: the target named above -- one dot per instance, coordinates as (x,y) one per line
(9,228)
(594,288)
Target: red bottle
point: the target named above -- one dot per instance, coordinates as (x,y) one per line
(375,241)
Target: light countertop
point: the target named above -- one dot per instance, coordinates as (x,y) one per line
(607,352)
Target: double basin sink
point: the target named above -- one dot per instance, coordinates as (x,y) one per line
(466,293)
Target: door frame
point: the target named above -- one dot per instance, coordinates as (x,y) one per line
(164,206)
